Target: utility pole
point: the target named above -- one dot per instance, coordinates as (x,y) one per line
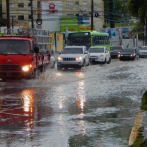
(8,14)
(32,18)
(91,15)
(145,31)
(112,25)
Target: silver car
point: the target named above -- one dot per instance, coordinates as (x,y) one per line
(143,52)
(73,57)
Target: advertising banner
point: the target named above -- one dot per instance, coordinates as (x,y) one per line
(51,12)
(53,41)
(59,42)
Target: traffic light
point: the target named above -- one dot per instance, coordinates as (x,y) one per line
(96,14)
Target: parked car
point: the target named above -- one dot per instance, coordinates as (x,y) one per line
(143,52)
(129,53)
(99,54)
(73,56)
(115,50)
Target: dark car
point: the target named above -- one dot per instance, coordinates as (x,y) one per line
(115,50)
(129,54)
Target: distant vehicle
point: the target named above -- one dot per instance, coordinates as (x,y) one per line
(143,52)
(73,57)
(115,50)
(99,54)
(129,53)
(88,38)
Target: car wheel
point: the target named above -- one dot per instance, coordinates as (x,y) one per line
(84,63)
(59,67)
(88,63)
(109,61)
(35,73)
(104,61)
(42,68)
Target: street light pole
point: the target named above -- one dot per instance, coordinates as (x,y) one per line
(91,15)
(112,25)
(32,19)
(8,14)
(145,31)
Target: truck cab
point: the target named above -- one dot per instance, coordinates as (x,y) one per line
(20,57)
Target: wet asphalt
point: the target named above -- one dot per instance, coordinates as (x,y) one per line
(92,107)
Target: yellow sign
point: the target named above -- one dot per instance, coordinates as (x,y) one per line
(59,41)
(53,41)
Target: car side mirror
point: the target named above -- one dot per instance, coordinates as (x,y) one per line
(36,50)
(86,52)
(60,52)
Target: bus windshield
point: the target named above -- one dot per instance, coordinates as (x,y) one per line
(79,41)
(14,47)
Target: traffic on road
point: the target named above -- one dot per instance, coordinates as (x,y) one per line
(92,106)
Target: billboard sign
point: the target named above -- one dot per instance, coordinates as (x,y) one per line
(51,9)
(51,12)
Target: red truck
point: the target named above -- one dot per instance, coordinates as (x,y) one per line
(24,54)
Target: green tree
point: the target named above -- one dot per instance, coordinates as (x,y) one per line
(120,11)
(138,8)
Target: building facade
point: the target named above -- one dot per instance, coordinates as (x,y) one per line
(20,12)
(51,12)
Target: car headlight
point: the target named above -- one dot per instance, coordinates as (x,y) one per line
(60,58)
(26,68)
(101,56)
(121,55)
(132,55)
(78,58)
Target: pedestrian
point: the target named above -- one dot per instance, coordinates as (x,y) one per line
(127,45)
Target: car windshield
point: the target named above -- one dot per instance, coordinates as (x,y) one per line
(143,48)
(73,51)
(14,47)
(116,48)
(96,50)
(128,50)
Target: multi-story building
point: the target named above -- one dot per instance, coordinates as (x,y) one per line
(50,11)
(20,11)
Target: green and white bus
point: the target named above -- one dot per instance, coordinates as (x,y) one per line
(88,38)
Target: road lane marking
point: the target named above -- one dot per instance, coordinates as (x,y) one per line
(135,130)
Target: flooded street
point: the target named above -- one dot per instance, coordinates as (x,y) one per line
(92,107)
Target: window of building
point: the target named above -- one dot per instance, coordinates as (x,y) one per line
(76,3)
(21,17)
(20,5)
(29,17)
(70,3)
(84,3)
(29,4)
(70,15)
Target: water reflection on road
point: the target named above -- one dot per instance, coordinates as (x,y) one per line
(94,106)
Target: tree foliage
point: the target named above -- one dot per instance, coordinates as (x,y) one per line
(3,22)
(138,8)
(120,10)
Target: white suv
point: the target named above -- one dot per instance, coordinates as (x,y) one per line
(73,56)
(99,54)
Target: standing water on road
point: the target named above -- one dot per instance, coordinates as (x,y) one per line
(92,107)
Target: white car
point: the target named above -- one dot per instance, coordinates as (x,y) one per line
(99,54)
(73,56)
(143,51)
